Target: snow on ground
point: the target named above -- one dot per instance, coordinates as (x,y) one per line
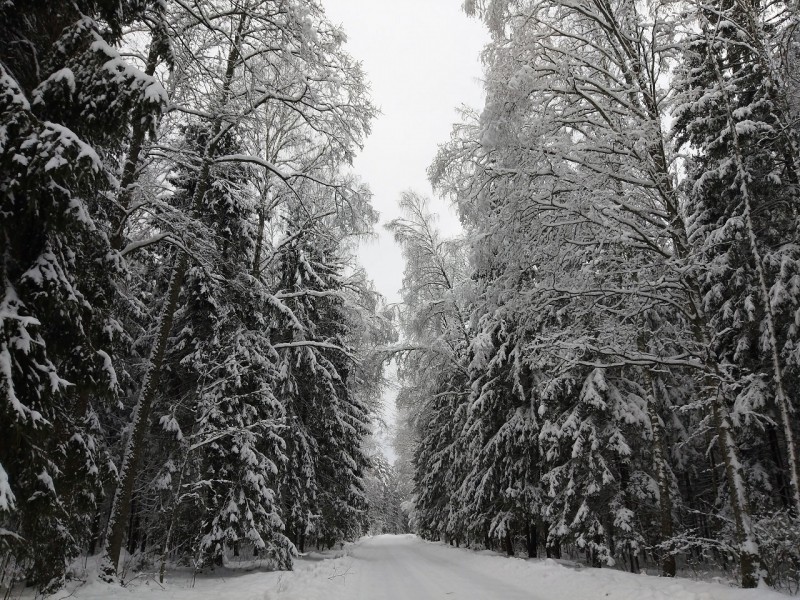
(406,568)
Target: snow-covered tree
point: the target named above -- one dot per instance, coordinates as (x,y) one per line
(386,495)
(571,190)
(433,361)
(251,55)
(742,192)
(67,100)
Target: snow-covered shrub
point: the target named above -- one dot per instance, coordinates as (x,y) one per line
(779,535)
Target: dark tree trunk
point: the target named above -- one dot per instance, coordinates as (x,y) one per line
(634,560)
(133,528)
(509,540)
(781,485)
(531,541)
(554,550)
(130,168)
(262,217)
(141,418)
(97,527)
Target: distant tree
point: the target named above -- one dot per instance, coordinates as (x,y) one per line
(385,497)
(433,362)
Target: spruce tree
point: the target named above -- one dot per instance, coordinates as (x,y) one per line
(742,190)
(67,99)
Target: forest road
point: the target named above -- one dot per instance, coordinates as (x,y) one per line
(403,567)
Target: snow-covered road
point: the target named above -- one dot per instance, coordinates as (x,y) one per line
(408,568)
(405,568)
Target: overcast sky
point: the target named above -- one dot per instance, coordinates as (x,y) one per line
(422,58)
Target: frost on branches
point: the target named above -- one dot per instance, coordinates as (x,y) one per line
(185,351)
(615,366)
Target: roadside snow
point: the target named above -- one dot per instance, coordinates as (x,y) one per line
(407,568)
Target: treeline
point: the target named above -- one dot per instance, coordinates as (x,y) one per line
(388,490)
(183,327)
(606,366)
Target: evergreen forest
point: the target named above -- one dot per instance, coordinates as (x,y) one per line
(603,366)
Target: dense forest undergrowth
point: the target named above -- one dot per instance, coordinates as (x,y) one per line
(603,366)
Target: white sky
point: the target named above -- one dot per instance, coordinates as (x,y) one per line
(422,58)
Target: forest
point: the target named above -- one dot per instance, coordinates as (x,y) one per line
(606,365)
(184,352)
(602,367)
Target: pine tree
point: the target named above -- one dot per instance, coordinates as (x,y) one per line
(222,358)
(329,421)
(591,502)
(742,190)
(67,97)
(500,495)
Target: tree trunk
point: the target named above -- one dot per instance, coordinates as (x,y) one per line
(129,171)
(262,220)
(97,526)
(509,541)
(594,559)
(691,501)
(530,540)
(259,242)
(781,484)
(133,527)
(121,505)
(749,554)
(749,557)
(554,549)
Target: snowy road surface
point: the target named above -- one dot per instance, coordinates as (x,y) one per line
(407,568)
(404,568)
